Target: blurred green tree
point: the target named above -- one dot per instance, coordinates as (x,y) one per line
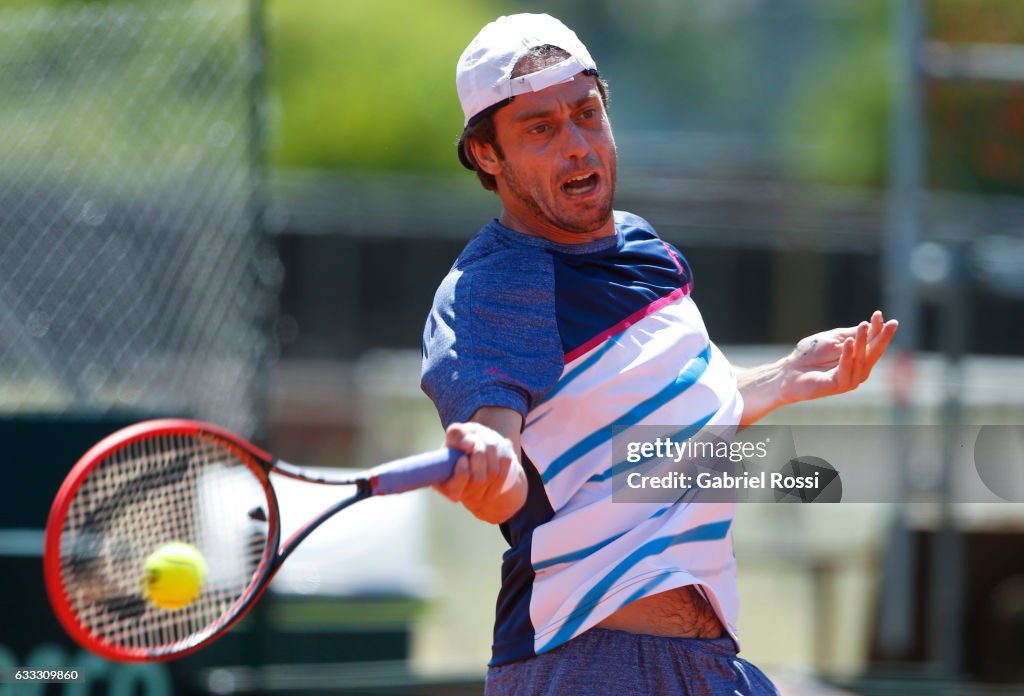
(368,84)
(837,125)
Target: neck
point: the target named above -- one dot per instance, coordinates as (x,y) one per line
(556,234)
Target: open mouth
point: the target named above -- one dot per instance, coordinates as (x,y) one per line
(579,185)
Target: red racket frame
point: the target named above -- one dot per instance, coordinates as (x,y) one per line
(258,461)
(398,476)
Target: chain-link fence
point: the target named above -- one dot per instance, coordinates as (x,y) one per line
(133,272)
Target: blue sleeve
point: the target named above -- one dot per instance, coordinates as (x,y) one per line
(491,338)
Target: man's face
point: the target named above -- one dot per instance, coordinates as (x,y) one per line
(557,177)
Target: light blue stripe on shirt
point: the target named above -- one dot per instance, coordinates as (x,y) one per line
(584,552)
(582,367)
(624,466)
(712,531)
(687,377)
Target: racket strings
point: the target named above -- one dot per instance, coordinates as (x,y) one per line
(155,491)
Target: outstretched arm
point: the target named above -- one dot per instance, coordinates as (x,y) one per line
(827,363)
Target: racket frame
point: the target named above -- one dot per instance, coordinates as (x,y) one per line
(259,462)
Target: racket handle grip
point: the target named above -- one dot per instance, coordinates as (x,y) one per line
(417,471)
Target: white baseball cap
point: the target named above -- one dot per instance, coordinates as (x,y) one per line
(483,76)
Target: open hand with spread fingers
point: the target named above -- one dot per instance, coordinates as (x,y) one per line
(835,361)
(826,363)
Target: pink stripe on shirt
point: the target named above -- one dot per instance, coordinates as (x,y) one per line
(627,322)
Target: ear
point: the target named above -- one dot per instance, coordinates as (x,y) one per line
(484,156)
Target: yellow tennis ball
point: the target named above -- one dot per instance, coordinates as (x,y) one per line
(174,575)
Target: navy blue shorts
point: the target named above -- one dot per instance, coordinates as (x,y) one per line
(627,664)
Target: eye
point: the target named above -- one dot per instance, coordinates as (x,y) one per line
(589,112)
(539,129)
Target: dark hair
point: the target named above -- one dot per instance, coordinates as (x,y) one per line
(481,126)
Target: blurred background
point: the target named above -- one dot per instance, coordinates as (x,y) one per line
(239,211)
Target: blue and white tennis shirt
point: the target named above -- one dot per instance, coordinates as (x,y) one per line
(578,339)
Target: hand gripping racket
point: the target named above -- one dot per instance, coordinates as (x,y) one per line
(175,480)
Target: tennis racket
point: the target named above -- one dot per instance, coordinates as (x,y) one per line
(177,480)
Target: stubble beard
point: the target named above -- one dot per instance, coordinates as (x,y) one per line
(590,219)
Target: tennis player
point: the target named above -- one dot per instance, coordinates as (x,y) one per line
(560,319)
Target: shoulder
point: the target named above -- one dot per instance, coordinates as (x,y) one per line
(632,225)
(492,247)
(493,268)
(491,337)
(641,241)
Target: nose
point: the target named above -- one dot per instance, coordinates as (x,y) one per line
(574,142)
